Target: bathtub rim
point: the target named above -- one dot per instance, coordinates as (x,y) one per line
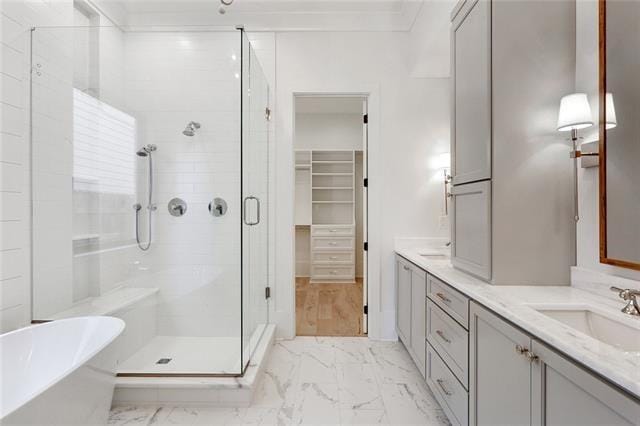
(120,326)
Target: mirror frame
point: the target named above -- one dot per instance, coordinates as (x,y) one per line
(602,43)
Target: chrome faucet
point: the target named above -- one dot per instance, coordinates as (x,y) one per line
(631,297)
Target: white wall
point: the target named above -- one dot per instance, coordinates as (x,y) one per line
(410,122)
(587,81)
(328,131)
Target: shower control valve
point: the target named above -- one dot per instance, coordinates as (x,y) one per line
(177,207)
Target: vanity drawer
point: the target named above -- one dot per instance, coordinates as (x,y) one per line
(452,301)
(342,231)
(450,340)
(452,396)
(332,257)
(321,243)
(332,272)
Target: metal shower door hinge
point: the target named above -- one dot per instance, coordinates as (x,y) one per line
(267,292)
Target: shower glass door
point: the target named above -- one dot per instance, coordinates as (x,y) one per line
(149,184)
(255,187)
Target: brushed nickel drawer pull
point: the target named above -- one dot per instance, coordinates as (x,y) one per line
(443,297)
(440,383)
(442,336)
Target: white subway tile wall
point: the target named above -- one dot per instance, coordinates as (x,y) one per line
(16,17)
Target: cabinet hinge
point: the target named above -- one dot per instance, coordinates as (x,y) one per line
(267,292)
(366,182)
(366,309)
(366,246)
(365,118)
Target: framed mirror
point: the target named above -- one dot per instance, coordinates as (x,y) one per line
(620,133)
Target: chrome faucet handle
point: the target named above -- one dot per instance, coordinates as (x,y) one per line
(631,296)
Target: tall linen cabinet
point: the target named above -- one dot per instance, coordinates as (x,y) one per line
(511,175)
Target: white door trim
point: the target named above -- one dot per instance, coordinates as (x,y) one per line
(284,309)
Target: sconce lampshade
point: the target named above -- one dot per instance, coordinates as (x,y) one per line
(611,119)
(575,113)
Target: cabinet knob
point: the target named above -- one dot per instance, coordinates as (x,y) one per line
(532,357)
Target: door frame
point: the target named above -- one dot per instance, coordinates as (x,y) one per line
(374,318)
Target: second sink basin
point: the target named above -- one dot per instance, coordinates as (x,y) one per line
(607,330)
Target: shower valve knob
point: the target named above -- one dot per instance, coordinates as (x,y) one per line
(177,207)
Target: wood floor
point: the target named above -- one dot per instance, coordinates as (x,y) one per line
(328,309)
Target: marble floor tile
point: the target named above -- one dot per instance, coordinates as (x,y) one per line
(316,380)
(318,366)
(363,417)
(408,403)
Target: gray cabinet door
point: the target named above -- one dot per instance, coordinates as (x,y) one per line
(403,300)
(418,316)
(500,376)
(565,394)
(471,228)
(471,117)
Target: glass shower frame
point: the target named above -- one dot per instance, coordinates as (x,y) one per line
(252,204)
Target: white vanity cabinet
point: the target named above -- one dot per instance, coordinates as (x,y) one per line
(500,375)
(516,380)
(558,385)
(411,290)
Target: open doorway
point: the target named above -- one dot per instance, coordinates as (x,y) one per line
(330,142)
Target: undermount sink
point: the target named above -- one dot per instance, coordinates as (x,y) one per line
(607,330)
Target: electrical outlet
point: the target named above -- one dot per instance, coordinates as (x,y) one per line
(443,223)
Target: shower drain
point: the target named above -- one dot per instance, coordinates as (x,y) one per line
(164,361)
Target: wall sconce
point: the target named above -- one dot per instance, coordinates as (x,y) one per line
(574,115)
(444,163)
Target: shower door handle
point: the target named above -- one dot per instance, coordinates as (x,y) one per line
(245,210)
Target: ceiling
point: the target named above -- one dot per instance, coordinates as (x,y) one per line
(269,15)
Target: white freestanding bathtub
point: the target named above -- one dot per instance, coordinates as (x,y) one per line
(59,373)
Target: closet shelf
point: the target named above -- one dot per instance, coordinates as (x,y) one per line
(332,174)
(332,202)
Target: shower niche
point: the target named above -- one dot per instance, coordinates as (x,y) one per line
(124,122)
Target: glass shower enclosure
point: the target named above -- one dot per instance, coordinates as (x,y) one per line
(149,186)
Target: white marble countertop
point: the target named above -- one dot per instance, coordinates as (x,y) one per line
(512,303)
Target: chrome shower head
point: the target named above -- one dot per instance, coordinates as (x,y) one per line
(146,150)
(191,128)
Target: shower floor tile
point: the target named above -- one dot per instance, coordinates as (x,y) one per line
(176,354)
